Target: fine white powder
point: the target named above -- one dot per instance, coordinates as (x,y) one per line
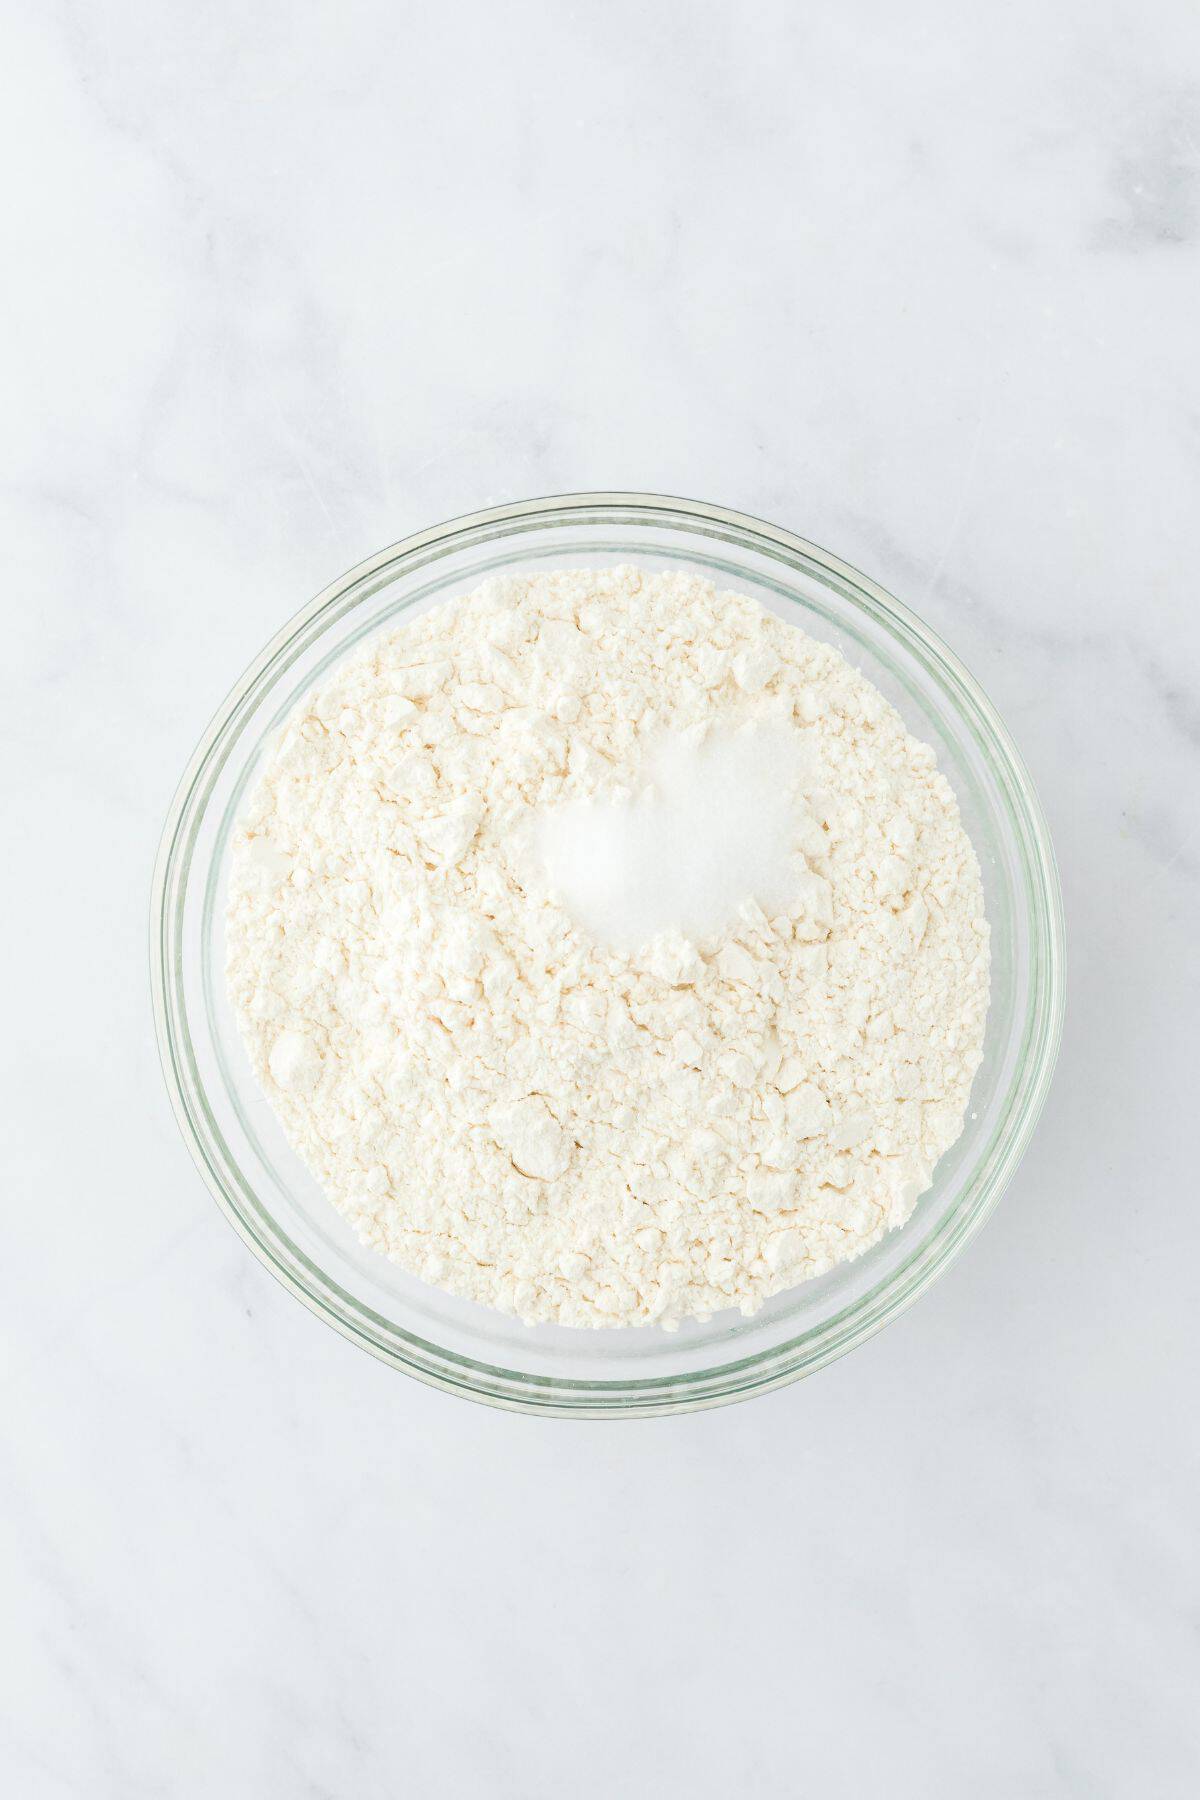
(608,950)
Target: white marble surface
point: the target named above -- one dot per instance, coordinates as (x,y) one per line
(283,283)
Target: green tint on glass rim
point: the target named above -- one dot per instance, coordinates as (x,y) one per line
(276,1205)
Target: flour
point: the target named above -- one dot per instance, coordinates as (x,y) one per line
(543,1044)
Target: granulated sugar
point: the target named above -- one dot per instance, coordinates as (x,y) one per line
(710,822)
(608,949)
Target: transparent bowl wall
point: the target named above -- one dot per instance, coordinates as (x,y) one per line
(275,1203)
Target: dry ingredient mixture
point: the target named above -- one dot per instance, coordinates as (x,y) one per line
(608,950)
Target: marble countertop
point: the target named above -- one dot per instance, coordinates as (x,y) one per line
(285,283)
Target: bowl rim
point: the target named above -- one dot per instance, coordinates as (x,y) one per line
(555,1395)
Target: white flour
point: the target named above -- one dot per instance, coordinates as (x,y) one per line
(584,1052)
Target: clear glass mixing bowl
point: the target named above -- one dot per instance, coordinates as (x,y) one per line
(276,1205)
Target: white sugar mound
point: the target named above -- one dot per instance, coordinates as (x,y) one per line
(712,825)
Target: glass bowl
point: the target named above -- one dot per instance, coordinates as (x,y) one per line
(277,1206)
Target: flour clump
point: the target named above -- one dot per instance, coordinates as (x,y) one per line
(608,949)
